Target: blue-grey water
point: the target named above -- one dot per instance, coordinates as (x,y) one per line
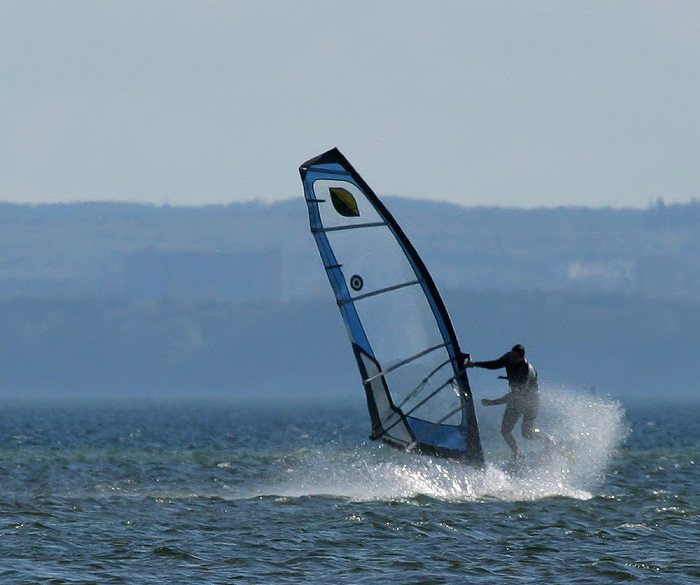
(291,491)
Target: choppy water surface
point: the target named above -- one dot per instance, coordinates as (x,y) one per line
(171,491)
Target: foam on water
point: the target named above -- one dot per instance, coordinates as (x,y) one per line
(590,427)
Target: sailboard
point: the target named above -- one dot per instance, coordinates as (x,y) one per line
(407,353)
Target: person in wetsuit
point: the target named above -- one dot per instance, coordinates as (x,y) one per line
(522,400)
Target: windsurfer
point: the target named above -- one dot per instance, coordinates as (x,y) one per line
(522,400)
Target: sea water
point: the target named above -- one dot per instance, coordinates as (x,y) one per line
(156,490)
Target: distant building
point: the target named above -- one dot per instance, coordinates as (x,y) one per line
(609,276)
(191,276)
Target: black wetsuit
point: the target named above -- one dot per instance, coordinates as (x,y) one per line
(519,376)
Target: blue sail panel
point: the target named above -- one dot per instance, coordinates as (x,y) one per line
(404,343)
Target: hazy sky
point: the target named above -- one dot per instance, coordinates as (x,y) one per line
(497,103)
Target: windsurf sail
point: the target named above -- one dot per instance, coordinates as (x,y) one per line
(406,349)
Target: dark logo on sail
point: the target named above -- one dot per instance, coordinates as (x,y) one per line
(344,202)
(356,282)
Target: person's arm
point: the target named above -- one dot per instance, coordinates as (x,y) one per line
(501,362)
(497,401)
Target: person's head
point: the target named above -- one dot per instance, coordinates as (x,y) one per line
(518,353)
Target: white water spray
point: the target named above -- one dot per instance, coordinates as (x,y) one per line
(589,427)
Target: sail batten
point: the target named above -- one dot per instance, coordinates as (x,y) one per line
(379,292)
(405,362)
(418,395)
(350,227)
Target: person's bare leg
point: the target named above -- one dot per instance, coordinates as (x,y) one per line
(510,417)
(529,431)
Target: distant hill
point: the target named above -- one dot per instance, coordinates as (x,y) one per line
(119,250)
(113,298)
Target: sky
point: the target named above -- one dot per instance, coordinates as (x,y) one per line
(508,103)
